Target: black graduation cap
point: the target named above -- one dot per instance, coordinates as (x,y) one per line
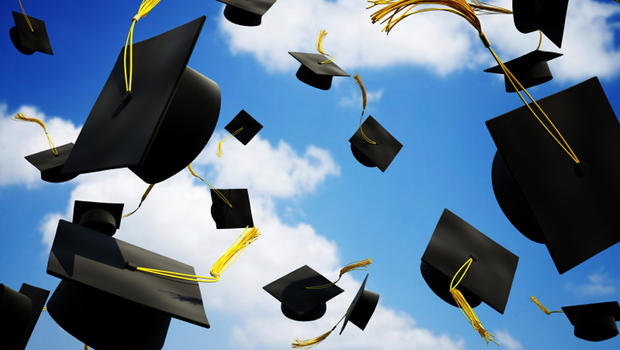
(547,16)
(105,303)
(298,302)
(250,126)
(25,40)
(50,165)
(239,216)
(361,309)
(530,69)
(572,208)
(19,312)
(490,275)
(594,322)
(158,128)
(314,73)
(246,12)
(378,155)
(101,217)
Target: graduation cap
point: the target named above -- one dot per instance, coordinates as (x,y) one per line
(162,124)
(19,312)
(594,322)
(105,302)
(243,127)
(236,213)
(378,154)
(101,217)
(246,12)
(530,69)
(317,70)
(539,188)
(298,302)
(29,35)
(547,16)
(50,165)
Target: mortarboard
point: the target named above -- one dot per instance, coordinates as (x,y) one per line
(101,217)
(248,125)
(298,302)
(317,70)
(246,12)
(594,322)
(102,294)
(19,312)
(547,16)
(162,124)
(490,275)
(362,307)
(236,215)
(381,153)
(50,165)
(530,69)
(29,39)
(539,188)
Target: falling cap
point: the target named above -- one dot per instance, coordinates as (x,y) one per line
(298,302)
(539,187)
(237,216)
(101,290)
(101,217)
(19,312)
(530,69)
(159,127)
(246,12)
(381,153)
(361,309)
(594,322)
(250,126)
(27,41)
(490,275)
(547,16)
(317,70)
(50,165)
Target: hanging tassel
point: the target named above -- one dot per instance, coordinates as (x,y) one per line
(544,309)
(22,117)
(145,7)
(146,193)
(219,146)
(319,46)
(85,347)
(358,265)
(26,16)
(218,193)
(308,343)
(358,80)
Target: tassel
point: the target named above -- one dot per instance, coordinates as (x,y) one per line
(358,80)
(218,193)
(319,46)
(219,146)
(85,347)
(146,193)
(358,265)
(145,7)
(544,309)
(26,16)
(307,344)
(22,117)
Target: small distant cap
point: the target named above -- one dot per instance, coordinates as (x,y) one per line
(25,40)
(594,322)
(361,309)
(101,217)
(490,275)
(378,155)
(239,216)
(250,126)
(298,302)
(547,16)
(572,208)
(19,313)
(158,128)
(50,165)
(530,69)
(246,12)
(100,286)
(314,73)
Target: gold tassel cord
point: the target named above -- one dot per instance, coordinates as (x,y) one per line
(145,7)
(247,237)
(464,306)
(219,146)
(540,38)
(26,16)
(22,117)
(391,8)
(354,266)
(543,308)
(308,343)
(319,46)
(146,193)
(218,193)
(358,80)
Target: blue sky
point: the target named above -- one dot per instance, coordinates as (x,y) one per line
(313,202)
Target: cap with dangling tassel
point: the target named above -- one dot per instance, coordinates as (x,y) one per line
(243,127)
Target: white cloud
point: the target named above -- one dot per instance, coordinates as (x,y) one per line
(175,221)
(598,284)
(19,139)
(507,340)
(441,42)
(355,98)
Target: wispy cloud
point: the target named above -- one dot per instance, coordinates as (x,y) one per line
(597,284)
(355,98)
(507,340)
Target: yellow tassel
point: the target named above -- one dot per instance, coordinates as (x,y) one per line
(319,46)
(358,80)
(85,347)
(358,265)
(544,309)
(26,16)
(145,7)
(44,309)
(218,193)
(307,344)
(22,117)
(219,146)
(146,193)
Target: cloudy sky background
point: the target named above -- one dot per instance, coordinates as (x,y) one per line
(311,200)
